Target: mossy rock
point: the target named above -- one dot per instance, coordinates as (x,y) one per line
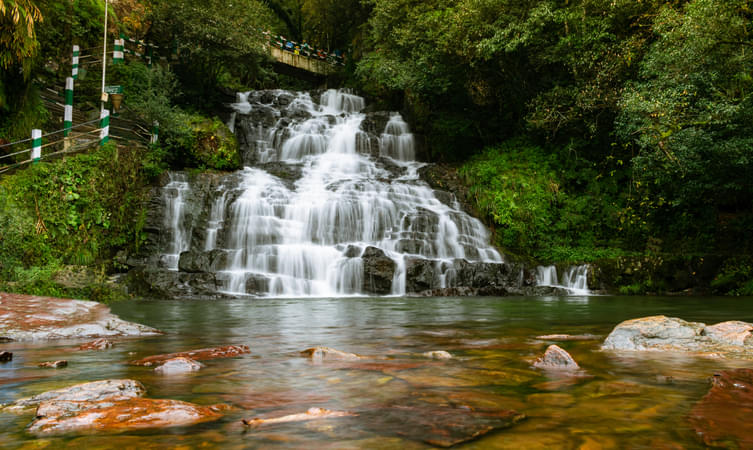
(214,146)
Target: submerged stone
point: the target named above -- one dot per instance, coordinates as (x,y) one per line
(326,353)
(65,416)
(104,390)
(54,364)
(723,417)
(438,425)
(228,351)
(555,358)
(438,354)
(310,414)
(6,356)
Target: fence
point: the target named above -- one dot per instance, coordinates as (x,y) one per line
(59,143)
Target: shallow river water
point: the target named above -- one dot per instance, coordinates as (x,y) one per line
(617,401)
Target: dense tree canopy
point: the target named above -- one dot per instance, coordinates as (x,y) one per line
(644,107)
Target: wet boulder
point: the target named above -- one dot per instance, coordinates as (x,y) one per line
(353,251)
(378,271)
(654,333)
(6,356)
(555,358)
(722,417)
(177,366)
(104,390)
(661,333)
(257,284)
(420,275)
(198,261)
(63,416)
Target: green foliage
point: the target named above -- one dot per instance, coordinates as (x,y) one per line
(206,143)
(215,38)
(71,22)
(18,34)
(77,211)
(688,115)
(542,205)
(735,277)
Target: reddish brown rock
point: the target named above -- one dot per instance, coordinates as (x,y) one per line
(555,358)
(310,414)
(28,317)
(54,364)
(97,344)
(227,351)
(58,417)
(723,416)
(6,356)
(329,354)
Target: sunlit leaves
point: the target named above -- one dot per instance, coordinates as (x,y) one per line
(17,32)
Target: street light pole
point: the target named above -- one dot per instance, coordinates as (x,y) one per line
(104,60)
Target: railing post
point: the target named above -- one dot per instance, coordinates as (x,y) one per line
(74,71)
(104,124)
(117,53)
(36,143)
(68,119)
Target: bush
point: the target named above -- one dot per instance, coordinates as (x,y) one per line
(78,211)
(542,204)
(735,277)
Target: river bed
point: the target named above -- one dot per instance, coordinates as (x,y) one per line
(636,400)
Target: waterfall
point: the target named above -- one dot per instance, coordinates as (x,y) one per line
(324,206)
(574,278)
(174,195)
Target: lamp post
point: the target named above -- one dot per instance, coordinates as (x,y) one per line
(103,98)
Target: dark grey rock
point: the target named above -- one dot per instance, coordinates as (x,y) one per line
(378,271)
(421,275)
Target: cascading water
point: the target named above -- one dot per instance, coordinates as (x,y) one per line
(353,216)
(574,278)
(174,194)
